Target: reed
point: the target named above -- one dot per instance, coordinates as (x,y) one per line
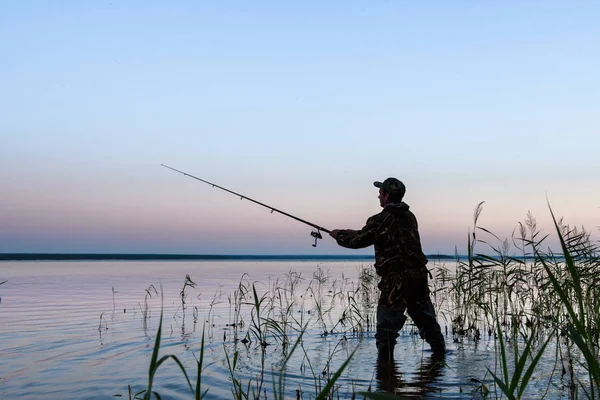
(100,326)
(581,322)
(513,385)
(2,283)
(523,297)
(240,390)
(146,309)
(156,362)
(113,297)
(536,296)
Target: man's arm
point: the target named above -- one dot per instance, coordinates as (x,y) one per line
(353,239)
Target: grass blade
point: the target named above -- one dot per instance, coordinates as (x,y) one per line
(325,392)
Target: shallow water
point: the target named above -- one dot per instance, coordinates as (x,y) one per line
(65,334)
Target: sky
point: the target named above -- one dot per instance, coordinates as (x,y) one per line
(298,104)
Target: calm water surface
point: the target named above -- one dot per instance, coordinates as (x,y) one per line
(86,330)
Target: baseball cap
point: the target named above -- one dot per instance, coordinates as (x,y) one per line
(391,185)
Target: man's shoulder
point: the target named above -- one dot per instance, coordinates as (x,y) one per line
(402,216)
(376,217)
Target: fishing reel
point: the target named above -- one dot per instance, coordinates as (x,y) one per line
(317,236)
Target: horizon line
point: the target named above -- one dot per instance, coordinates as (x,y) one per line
(81,256)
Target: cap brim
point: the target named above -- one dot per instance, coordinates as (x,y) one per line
(378,184)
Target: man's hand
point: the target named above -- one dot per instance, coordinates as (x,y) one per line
(336,232)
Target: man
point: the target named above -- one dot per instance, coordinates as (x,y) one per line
(400,262)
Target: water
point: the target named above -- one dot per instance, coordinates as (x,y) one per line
(64,333)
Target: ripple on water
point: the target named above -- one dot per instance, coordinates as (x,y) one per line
(55,345)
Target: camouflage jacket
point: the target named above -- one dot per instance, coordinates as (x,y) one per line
(394,233)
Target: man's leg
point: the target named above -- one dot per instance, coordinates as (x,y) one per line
(389,322)
(390,315)
(422,312)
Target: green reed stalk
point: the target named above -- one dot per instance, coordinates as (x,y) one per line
(279,389)
(513,386)
(155,362)
(237,390)
(325,392)
(578,329)
(133,396)
(256,324)
(199,363)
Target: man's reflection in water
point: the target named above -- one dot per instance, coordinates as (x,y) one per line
(390,380)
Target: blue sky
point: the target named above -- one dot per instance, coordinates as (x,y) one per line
(301,105)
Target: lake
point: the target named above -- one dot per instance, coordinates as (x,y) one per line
(86,330)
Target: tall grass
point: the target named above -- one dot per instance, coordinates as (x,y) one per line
(581,323)
(239,389)
(2,283)
(530,299)
(260,320)
(520,295)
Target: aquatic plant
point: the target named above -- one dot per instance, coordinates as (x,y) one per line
(580,298)
(113,297)
(538,294)
(239,390)
(146,310)
(522,297)
(2,283)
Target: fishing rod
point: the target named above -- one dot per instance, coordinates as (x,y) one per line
(315,234)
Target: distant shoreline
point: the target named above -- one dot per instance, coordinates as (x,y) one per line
(185,257)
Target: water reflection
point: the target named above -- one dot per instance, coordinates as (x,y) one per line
(391,380)
(35,328)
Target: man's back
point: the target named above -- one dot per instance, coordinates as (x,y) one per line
(398,244)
